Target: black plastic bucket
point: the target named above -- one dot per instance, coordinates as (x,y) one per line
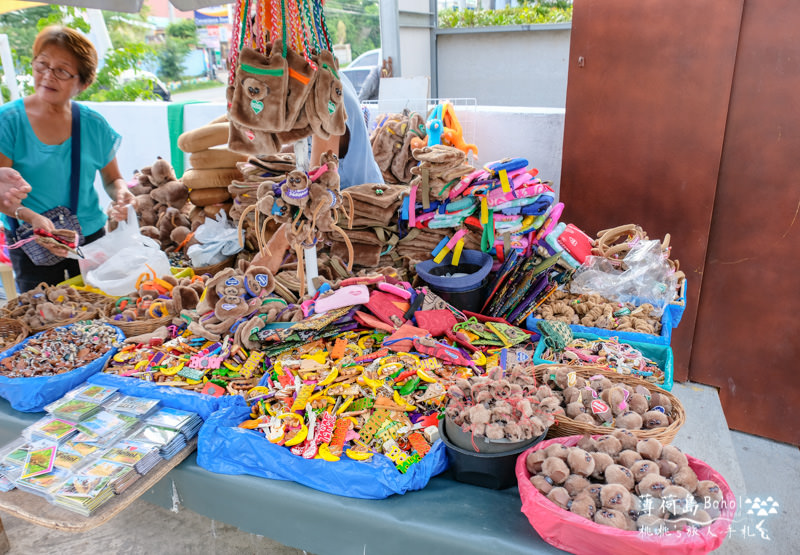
(487,470)
(465,292)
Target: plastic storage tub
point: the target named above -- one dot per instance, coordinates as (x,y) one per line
(660,354)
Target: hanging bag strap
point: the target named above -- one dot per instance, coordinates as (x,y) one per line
(75,170)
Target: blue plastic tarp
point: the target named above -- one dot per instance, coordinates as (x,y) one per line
(33,394)
(172,397)
(226,449)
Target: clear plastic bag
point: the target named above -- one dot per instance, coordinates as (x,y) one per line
(647,277)
(114,262)
(219,240)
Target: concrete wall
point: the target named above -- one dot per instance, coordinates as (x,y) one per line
(415,26)
(499,132)
(519,65)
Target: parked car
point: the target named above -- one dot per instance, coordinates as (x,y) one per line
(159,88)
(360,68)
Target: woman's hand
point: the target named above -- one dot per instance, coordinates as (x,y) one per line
(38,221)
(13,189)
(118,210)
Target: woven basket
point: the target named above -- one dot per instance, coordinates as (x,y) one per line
(137,327)
(566,426)
(99,301)
(214,268)
(12,332)
(90,314)
(95,304)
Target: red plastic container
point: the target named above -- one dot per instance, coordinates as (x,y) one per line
(578,535)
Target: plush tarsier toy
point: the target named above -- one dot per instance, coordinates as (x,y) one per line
(232,296)
(309,204)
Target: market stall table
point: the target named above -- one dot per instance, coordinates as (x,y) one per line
(445,517)
(37,510)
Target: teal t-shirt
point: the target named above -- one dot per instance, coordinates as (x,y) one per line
(48,167)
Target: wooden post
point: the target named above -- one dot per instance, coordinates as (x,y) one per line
(302,163)
(5,546)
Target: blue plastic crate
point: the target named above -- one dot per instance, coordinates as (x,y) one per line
(660,354)
(676,307)
(663,339)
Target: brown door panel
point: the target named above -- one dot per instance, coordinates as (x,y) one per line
(647,100)
(748,323)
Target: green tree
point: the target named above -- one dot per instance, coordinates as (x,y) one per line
(22,27)
(128,28)
(361,23)
(108,86)
(529,12)
(180,38)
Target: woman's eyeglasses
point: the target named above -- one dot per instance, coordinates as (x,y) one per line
(59,73)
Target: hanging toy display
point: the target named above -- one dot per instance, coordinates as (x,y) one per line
(310,204)
(281,91)
(284,84)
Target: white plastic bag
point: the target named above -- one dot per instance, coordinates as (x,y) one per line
(114,262)
(218,241)
(647,279)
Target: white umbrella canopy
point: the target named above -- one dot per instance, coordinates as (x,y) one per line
(131,6)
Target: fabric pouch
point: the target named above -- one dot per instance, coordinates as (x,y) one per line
(438,322)
(259,93)
(404,338)
(389,308)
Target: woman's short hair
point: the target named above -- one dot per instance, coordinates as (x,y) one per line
(74,43)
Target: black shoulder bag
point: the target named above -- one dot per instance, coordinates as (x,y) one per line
(61,216)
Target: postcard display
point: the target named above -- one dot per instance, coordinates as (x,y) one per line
(93,444)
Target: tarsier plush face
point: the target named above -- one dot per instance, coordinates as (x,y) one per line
(255,89)
(329,158)
(295,190)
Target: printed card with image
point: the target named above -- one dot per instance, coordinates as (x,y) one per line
(66,460)
(55,429)
(39,461)
(96,393)
(83,486)
(106,468)
(125,455)
(77,448)
(75,410)
(19,455)
(100,426)
(46,482)
(134,406)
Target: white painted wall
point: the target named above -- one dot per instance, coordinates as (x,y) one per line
(499,132)
(520,65)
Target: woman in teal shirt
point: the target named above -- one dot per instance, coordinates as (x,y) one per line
(36,140)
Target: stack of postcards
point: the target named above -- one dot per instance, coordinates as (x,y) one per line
(183,421)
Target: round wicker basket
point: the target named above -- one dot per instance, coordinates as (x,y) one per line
(98,300)
(89,314)
(12,332)
(566,426)
(93,305)
(136,327)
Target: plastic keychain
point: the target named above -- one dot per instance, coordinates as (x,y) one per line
(450,245)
